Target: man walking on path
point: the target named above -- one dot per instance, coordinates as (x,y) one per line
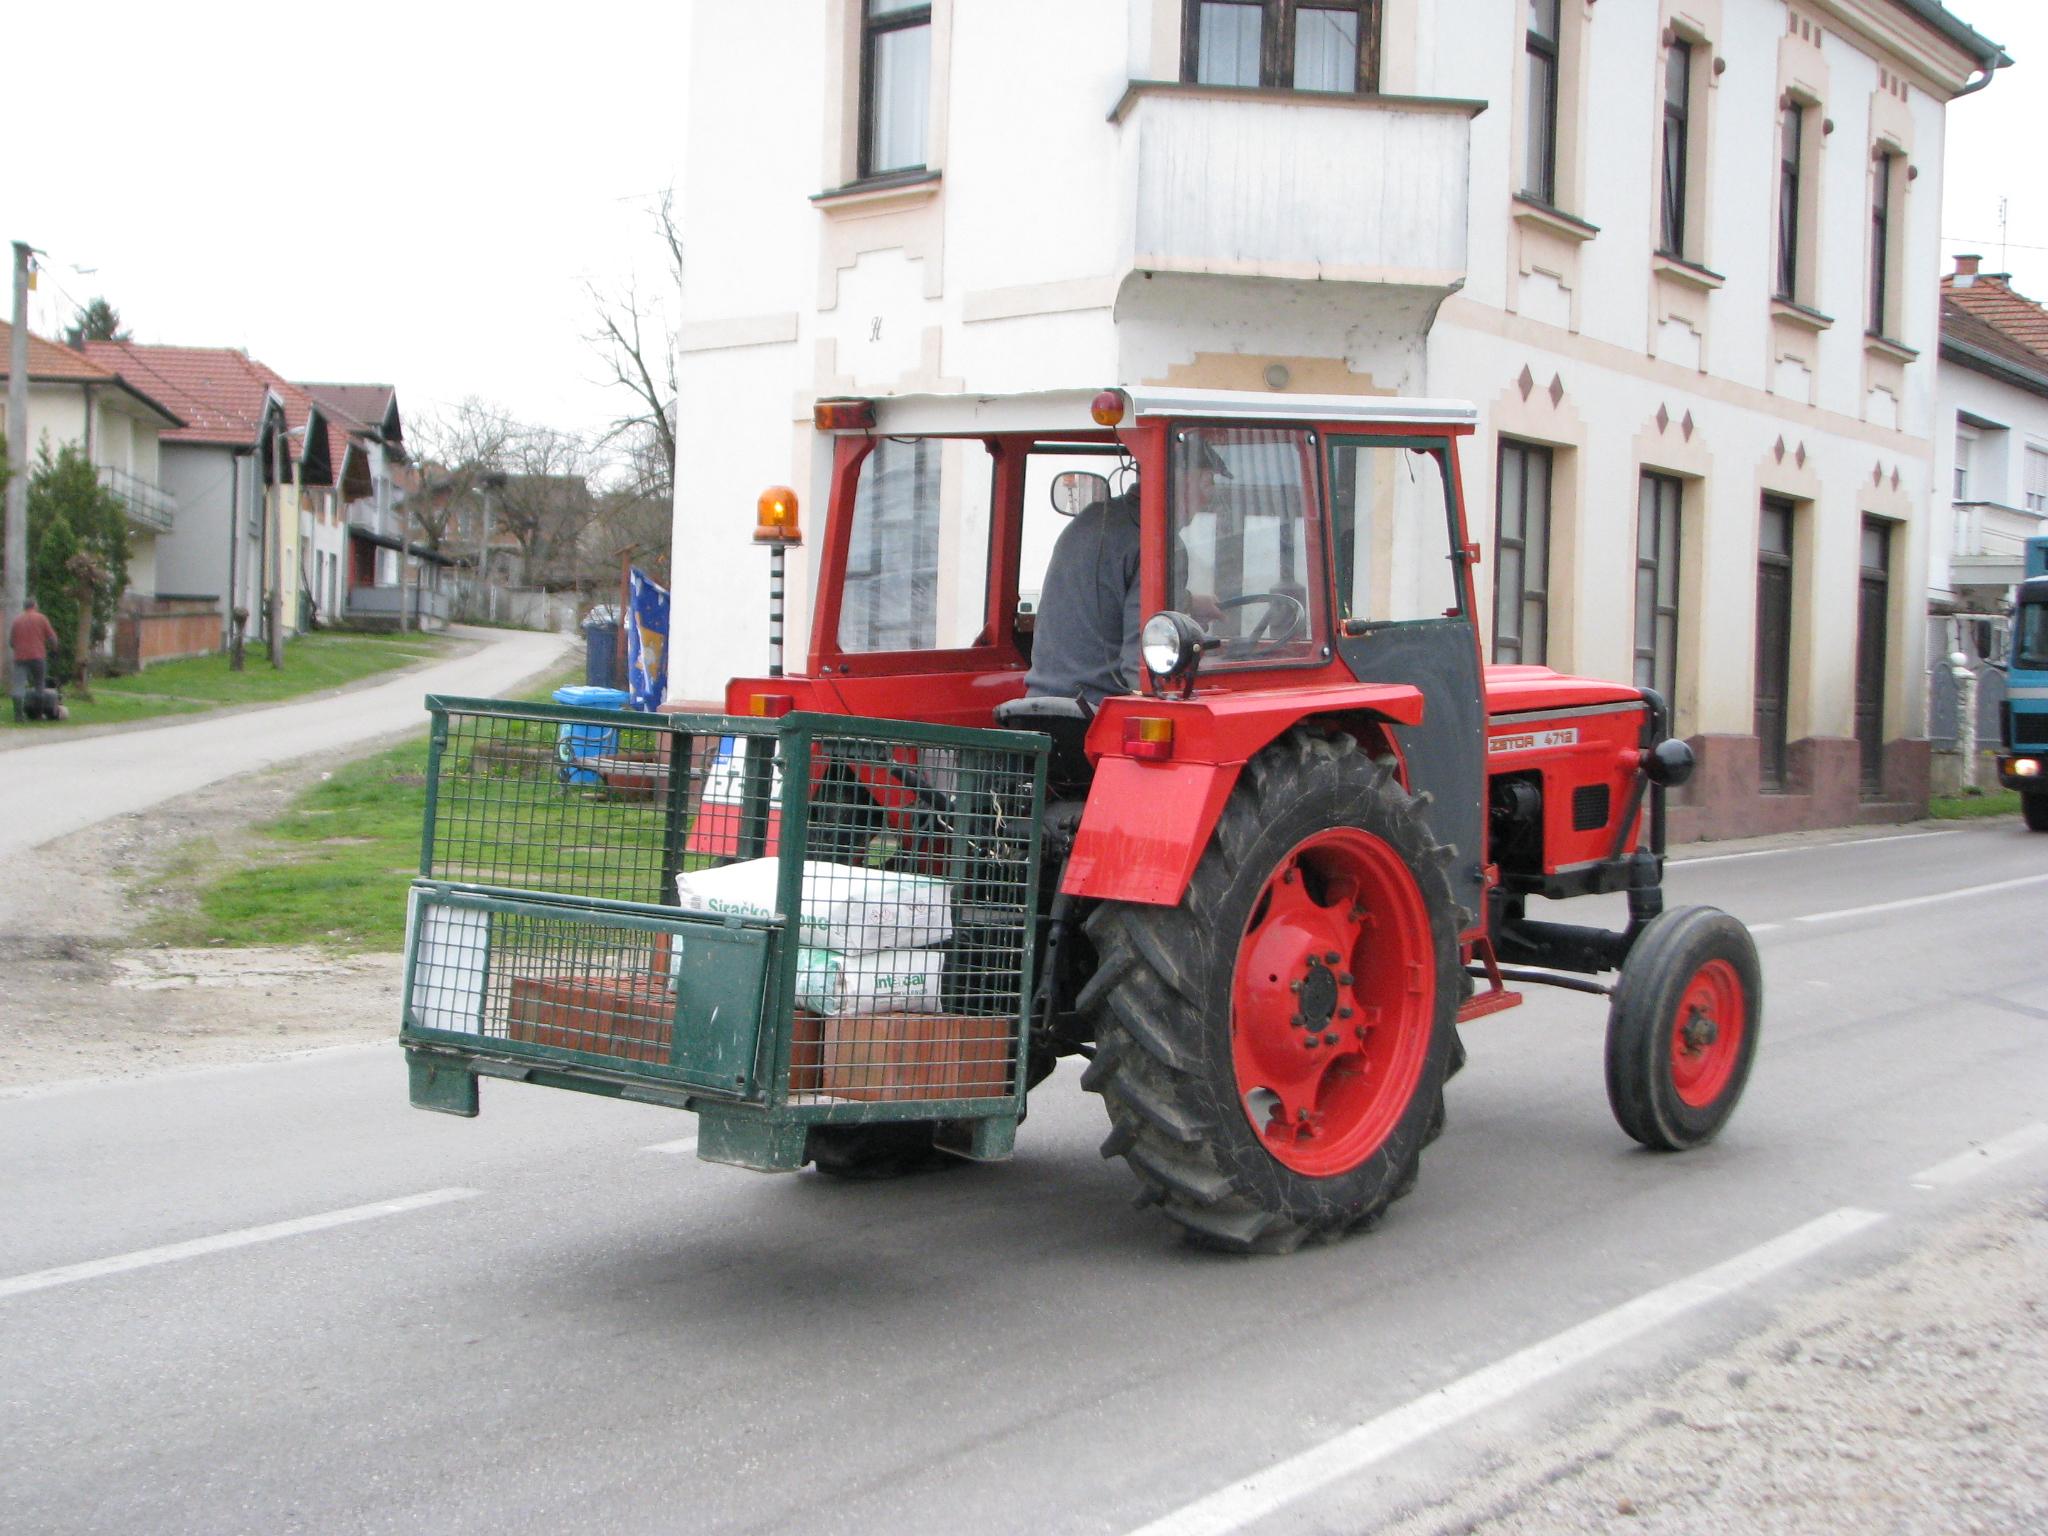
(31,635)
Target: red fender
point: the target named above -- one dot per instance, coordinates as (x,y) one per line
(1149,818)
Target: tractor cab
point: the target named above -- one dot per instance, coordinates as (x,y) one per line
(1298,557)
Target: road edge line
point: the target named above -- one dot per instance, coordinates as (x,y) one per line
(1253,1498)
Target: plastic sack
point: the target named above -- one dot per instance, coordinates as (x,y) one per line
(885,981)
(846,907)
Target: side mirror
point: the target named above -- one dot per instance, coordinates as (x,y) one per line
(1076,490)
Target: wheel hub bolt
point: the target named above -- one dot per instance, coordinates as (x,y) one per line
(1344,980)
(1700,1032)
(1331,958)
(1329,1039)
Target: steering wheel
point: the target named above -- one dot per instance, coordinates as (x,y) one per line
(1277,602)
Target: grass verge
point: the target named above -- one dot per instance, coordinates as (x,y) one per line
(311,663)
(1996,802)
(331,870)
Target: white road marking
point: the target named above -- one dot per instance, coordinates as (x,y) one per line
(1234,1507)
(676,1148)
(1979,1159)
(1922,901)
(1765,927)
(1848,842)
(143,1258)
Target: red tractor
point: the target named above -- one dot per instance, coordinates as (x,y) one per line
(1271,880)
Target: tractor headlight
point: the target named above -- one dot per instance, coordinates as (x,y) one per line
(1171,645)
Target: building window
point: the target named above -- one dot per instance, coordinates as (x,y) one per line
(895,85)
(1539,148)
(1791,136)
(1773,638)
(1677,126)
(1880,243)
(2037,480)
(1966,441)
(1873,611)
(1302,45)
(1657,503)
(1521,554)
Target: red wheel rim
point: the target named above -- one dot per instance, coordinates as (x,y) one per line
(1332,1002)
(1706,1034)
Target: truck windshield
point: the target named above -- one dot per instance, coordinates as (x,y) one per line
(2030,635)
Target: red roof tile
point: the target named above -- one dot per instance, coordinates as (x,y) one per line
(1991,298)
(218,390)
(49,363)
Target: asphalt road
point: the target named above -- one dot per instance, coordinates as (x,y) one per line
(213,1318)
(57,786)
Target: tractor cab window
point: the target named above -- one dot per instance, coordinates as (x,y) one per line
(1392,524)
(917,560)
(1043,520)
(1247,542)
(2030,636)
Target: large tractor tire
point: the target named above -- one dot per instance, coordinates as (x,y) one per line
(1272,1051)
(1682,1027)
(2034,808)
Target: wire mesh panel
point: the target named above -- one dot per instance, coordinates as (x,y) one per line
(602,803)
(804,913)
(915,917)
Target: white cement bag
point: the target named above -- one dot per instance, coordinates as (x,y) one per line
(886,981)
(847,907)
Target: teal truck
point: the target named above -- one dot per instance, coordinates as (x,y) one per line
(2023,720)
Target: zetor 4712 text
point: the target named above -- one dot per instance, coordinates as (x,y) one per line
(853,918)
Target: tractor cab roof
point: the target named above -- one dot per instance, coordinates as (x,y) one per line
(1060,410)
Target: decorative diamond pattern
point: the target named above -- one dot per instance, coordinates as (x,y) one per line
(1685,426)
(1526,382)
(1556,389)
(1778,450)
(1663,418)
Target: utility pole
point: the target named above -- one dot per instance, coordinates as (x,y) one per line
(237,518)
(14,548)
(274,603)
(490,480)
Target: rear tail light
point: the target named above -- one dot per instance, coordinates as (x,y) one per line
(1148,737)
(771,705)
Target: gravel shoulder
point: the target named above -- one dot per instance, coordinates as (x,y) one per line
(83,1002)
(1912,1400)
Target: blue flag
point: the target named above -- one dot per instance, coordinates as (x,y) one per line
(646,641)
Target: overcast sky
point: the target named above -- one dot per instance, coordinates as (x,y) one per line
(403,194)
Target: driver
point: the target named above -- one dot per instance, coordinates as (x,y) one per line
(1085,643)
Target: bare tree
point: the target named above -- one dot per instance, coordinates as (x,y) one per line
(456,449)
(636,341)
(546,502)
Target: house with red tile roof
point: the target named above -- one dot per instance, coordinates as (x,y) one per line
(267,471)
(373,476)
(1991,488)
(118,425)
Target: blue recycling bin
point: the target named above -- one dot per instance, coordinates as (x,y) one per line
(576,745)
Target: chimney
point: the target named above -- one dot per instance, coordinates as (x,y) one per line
(1966,270)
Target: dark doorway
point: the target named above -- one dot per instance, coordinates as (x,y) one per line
(1773,637)
(1873,607)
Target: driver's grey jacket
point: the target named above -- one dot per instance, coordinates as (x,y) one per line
(1086,642)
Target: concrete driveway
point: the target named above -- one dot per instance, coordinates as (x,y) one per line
(56,787)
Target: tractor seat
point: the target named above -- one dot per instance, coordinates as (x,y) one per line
(1066,722)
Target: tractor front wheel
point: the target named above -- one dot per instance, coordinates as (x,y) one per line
(2034,808)
(1682,1027)
(1272,1051)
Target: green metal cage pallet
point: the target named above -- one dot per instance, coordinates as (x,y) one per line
(776,923)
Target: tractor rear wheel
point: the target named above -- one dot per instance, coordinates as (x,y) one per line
(2035,809)
(1272,1051)
(1682,1027)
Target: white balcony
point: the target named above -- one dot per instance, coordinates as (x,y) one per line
(149,506)
(1295,185)
(1991,543)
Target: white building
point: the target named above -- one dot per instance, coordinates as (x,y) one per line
(1681,253)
